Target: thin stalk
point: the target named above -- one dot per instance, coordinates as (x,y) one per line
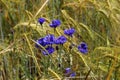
(32,53)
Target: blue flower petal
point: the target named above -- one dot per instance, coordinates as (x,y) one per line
(69,32)
(41,20)
(49,39)
(55,23)
(61,40)
(83,48)
(67,70)
(41,42)
(73,74)
(49,49)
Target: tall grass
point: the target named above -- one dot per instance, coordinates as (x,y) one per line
(97,22)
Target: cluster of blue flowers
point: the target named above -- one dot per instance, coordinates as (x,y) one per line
(50,39)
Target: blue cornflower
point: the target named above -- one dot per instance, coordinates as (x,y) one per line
(41,20)
(73,74)
(67,70)
(49,39)
(49,50)
(41,42)
(70,72)
(55,23)
(83,48)
(69,32)
(61,40)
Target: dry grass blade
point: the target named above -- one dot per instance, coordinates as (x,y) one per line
(112,68)
(32,53)
(89,31)
(58,77)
